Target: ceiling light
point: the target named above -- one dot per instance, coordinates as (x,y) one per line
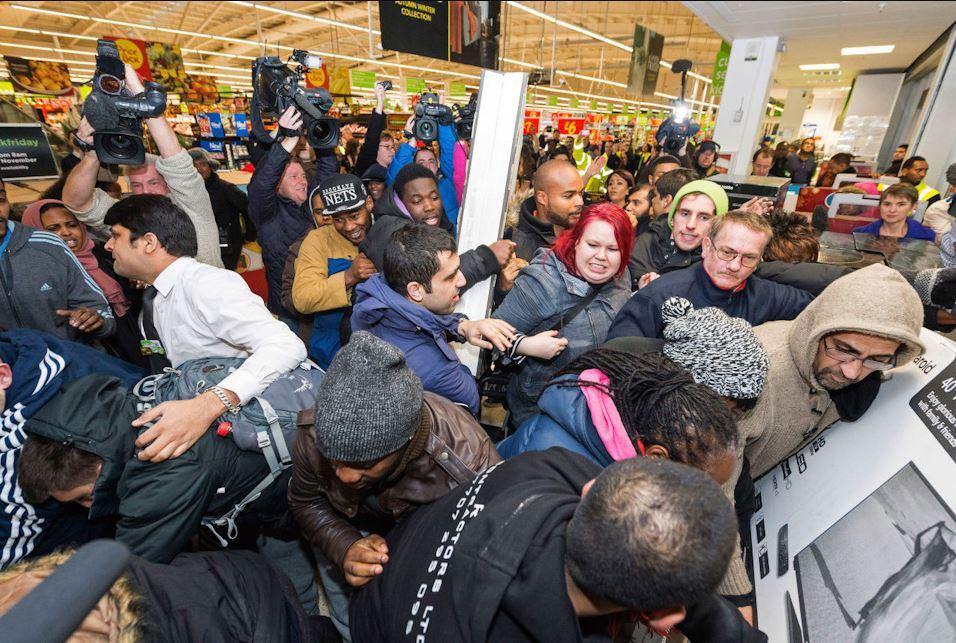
(305,16)
(820,67)
(866,51)
(572,27)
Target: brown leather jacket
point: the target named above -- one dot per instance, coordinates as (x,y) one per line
(456,451)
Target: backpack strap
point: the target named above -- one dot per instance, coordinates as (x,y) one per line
(276,451)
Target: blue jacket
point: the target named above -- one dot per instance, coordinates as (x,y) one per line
(422,335)
(446,171)
(914,230)
(564,421)
(280,222)
(758,301)
(41,365)
(543,292)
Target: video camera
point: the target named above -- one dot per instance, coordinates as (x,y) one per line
(275,87)
(115,113)
(465,118)
(429,114)
(676,129)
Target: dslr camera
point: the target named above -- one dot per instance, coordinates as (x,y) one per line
(115,113)
(429,114)
(276,86)
(676,129)
(465,118)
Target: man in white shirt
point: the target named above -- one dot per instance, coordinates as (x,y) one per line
(198,311)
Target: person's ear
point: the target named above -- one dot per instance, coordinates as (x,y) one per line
(6,376)
(369,203)
(587,487)
(666,619)
(667,199)
(657,451)
(415,291)
(151,243)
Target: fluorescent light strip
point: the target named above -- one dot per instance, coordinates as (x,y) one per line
(866,51)
(56,49)
(820,67)
(303,16)
(572,27)
(591,78)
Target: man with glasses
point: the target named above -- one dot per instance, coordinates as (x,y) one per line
(723,279)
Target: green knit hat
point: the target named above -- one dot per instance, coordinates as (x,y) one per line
(711,189)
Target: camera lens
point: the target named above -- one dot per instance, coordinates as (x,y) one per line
(121,146)
(323,133)
(110,84)
(426,129)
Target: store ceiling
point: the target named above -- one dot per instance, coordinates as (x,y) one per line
(814,33)
(224,35)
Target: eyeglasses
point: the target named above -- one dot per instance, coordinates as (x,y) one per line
(747,261)
(881,364)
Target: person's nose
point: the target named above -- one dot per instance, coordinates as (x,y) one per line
(460,281)
(692,222)
(109,245)
(348,476)
(735,264)
(852,369)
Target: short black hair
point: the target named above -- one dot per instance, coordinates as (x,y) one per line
(908,163)
(142,213)
(412,255)
(424,149)
(651,534)
(660,403)
(47,465)
(763,151)
(46,207)
(670,183)
(905,146)
(409,173)
(558,151)
(663,158)
(842,158)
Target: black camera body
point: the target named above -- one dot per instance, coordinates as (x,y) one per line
(117,115)
(429,114)
(676,129)
(276,87)
(465,120)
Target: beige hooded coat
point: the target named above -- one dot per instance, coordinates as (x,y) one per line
(794,407)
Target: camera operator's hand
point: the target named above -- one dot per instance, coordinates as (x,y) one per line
(133,83)
(379,98)
(410,129)
(291,119)
(85,133)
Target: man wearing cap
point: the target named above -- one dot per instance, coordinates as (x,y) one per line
(376,448)
(375,180)
(329,264)
(230,205)
(731,250)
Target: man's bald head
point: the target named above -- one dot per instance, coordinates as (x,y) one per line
(557,193)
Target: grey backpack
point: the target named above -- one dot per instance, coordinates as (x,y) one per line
(265,424)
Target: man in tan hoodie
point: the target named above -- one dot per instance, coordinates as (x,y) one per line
(863,323)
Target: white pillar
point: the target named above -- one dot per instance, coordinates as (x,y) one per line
(744,101)
(868,114)
(795,105)
(934,138)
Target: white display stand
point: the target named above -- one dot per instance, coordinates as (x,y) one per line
(854,538)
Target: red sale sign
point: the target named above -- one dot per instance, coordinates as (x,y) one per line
(531,125)
(570,126)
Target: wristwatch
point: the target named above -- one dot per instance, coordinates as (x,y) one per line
(83,145)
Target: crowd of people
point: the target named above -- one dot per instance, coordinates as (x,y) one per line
(655,351)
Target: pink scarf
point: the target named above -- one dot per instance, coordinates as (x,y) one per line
(605,417)
(84,254)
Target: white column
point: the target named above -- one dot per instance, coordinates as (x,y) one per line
(492,167)
(795,105)
(744,101)
(868,114)
(934,138)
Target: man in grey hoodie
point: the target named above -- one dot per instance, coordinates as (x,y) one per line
(44,287)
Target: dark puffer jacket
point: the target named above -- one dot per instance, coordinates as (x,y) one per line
(160,505)
(531,234)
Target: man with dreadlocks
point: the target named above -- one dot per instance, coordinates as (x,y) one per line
(376,449)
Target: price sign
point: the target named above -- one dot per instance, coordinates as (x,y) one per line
(570,126)
(317,77)
(531,125)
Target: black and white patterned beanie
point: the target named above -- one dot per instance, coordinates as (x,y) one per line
(720,351)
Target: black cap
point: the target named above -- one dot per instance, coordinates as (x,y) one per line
(376,173)
(342,193)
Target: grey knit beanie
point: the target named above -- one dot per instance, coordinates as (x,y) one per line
(720,351)
(369,403)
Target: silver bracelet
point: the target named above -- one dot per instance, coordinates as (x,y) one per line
(221,394)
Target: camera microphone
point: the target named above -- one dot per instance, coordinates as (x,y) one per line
(100,112)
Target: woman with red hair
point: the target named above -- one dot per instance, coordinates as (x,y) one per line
(574,289)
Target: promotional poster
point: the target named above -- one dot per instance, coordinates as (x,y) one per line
(25,153)
(885,481)
(39,76)
(461,32)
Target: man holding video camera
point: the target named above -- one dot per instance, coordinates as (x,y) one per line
(171,174)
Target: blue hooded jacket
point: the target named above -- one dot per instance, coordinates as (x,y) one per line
(422,335)
(41,365)
(564,421)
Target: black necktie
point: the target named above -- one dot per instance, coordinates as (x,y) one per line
(152,345)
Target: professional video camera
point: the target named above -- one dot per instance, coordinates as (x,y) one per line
(115,113)
(275,87)
(465,118)
(676,129)
(429,114)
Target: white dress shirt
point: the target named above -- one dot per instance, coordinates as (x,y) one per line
(201,311)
